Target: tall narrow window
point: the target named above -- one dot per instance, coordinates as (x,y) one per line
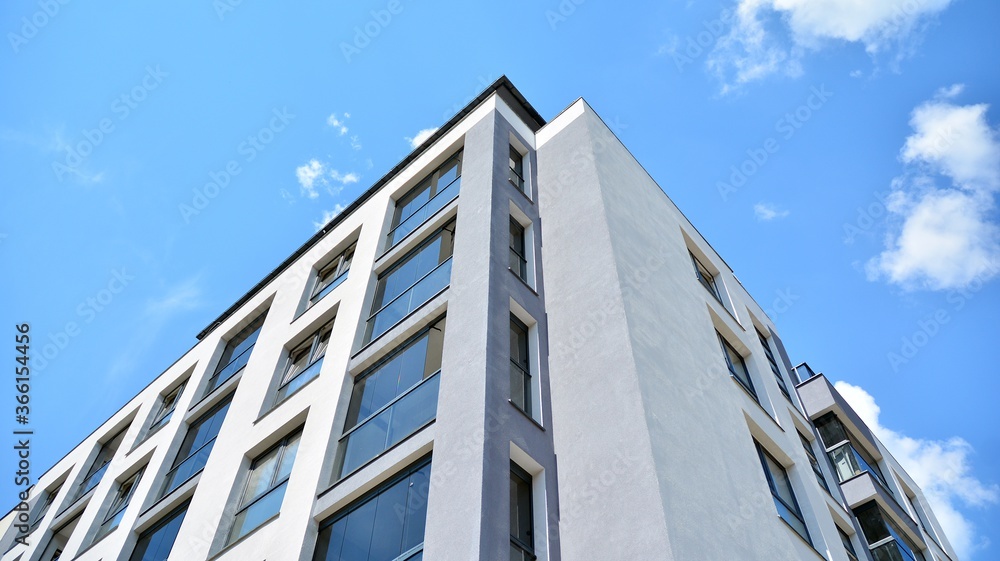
(781,491)
(60,537)
(706,278)
(167,407)
(155,543)
(518,253)
(848,460)
(412,281)
(516,165)
(737,366)
(43,508)
(265,487)
(520,369)
(386,524)
(118,505)
(304,362)
(101,462)
(423,201)
(196,447)
(852,554)
(331,275)
(773,364)
(392,399)
(807,446)
(237,353)
(522,539)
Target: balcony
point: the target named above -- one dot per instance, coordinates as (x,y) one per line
(399,307)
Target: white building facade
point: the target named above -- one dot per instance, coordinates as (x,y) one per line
(512,346)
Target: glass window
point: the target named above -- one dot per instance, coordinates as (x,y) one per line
(44,507)
(706,278)
(516,165)
(167,407)
(848,546)
(522,540)
(737,366)
(60,537)
(392,399)
(101,462)
(237,353)
(384,525)
(423,201)
(781,491)
(265,487)
(848,459)
(118,505)
(518,259)
(413,280)
(196,447)
(807,446)
(520,369)
(155,544)
(773,364)
(304,362)
(330,276)
(884,537)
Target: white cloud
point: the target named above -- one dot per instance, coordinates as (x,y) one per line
(328,216)
(345,179)
(771,36)
(308,175)
(337,124)
(945,237)
(942,469)
(420,137)
(355,142)
(766,212)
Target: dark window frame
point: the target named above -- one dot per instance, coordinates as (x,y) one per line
(429,182)
(310,347)
(518,252)
(331,275)
(164,414)
(746,384)
(210,414)
(119,504)
(705,277)
(515,165)
(159,525)
(252,329)
(273,485)
(775,369)
(793,508)
(526,378)
(523,548)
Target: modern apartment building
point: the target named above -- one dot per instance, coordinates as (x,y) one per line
(512,346)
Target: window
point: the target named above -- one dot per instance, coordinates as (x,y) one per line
(196,447)
(807,446)
(848,460)
(43,508)
(516,164)
(118,505)
(387,524)
(848,546)
(304,362)
(423,201)
(237,353)
(737,366)
(330,276)
(392,399)
(774,365)
(101,462)
(522,541)
(520,370)
(413,280)
(265,487)
(706,278)
(167,407)
(155,543)
(781,491)
(518,253)
(885,539)
(60,537)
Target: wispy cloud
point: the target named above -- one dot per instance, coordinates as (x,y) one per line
(309,175)
(338,123)
(942,469)
(766,212)
(944,236)
(420,137)
(328,216)
(772,36)
(355,142)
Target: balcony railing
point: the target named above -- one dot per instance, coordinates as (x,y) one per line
(892,551)
(428,209)
(421,291)
(848,462)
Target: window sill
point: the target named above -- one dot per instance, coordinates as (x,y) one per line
(283,400)
(369,344)
(420,228)
(521,191)
(230,546)
(213,398)
(92,544)
(176,491)
(756,401)
(526,415)
(524,282)
(145,438)
(805,541)
(82,499)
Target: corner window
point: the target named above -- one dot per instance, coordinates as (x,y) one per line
(386,524)
(516,171)
(304,362)
(518,251)
(331,275)
(522,540)
(101,462)
(706,278)
(774,365)
(848,459)
(781,492)
(237,353)
(265,487)
(167,406)
(196,447)
(520,366)
(118,505)
(155,543)
(737,366)
(426,199)
(885,539)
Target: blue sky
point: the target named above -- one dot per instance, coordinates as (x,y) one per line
(157,160)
